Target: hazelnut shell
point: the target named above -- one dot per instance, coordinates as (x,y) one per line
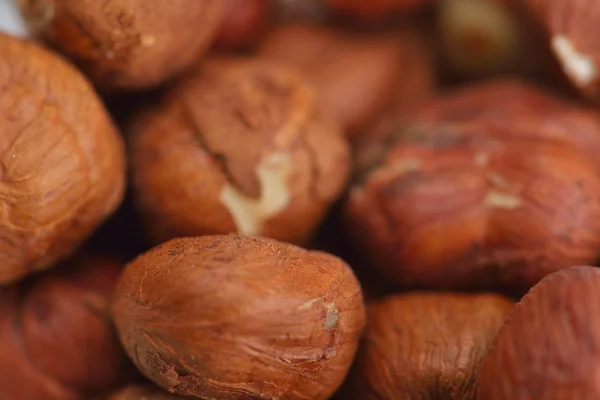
(239,145)
(63,162)
(233,317)
(547,347)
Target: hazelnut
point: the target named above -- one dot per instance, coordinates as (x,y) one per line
(296,10)
(345,66)
(145,392)
(426,346)
(63,167)
(570,26)
(487,187)
(243,22)
(231,317)
(127,44)
(547,348)
(57,341)
(239,145)
(376,10)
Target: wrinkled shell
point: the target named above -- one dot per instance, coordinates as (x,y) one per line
(57,341)
(128,44)
(426,346)
(63,167)
(346,66)
(233,317)
(243,22)
(145,392)
(374,10)
(487,187)
(548,348)
(571,27)
(213,133)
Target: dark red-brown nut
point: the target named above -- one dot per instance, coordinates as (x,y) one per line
(145,392)
(375,10)
(346,66)
(548,347)
(426,346)
(491,186)
(243,22)
(236,317)
(127,44)
(57,339)
(63,166)
(571,26)
(240,145)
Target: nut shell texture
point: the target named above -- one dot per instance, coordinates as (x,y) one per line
(63,167)
(493,186)
(240,145)
(426,346)
(233,317)
(131,44)
(548,347)
(57,341)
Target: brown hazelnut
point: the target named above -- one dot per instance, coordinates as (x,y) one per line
(300,10)
(243,22)
(345,66)
(487,187)
(570,26)
(145,392)
(127,44)
(547,348)
(240,145)
(57,339)
(426,346)
(376,10)
(236,317)
(63,166)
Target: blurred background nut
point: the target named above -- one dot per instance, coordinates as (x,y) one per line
(145,392)
(548,347)
(63,167)
(489,187)
(570,26)
(357,74)
(296,10)
(231,316)
(425,346)
(239,145)
(376,10)
(244,21)
(57,339)
(127,44)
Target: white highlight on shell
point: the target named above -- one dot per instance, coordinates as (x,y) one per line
(251,214)
(11,20)
(497,199)
(579,67)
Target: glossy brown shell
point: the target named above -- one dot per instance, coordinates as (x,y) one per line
(129,44)
(233,317)
(426,346)
(548,348)
(57,339)
(62,160)
(495,185)
(214,129)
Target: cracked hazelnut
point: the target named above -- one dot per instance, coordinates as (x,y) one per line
(239,146)
(145,392)
(243,22)
(232,317)
(127,44)
(57,339)
(570,27)
(376,10)
(547,348)
(62,160)
(426,346)
(493,186)
(346,66)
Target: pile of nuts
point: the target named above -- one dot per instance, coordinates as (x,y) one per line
(299,200)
